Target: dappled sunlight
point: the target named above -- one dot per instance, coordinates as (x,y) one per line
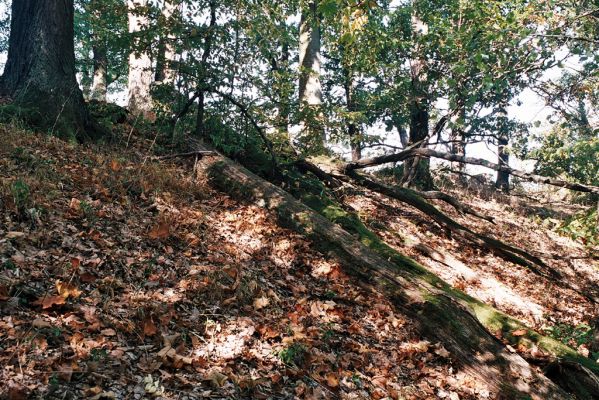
(198,294)
(511,288)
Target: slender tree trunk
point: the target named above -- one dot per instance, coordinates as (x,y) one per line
(352,128)
(165,72)
(312,134)
(99,82)
(416,172)
(503,158)
(140,64)
(458,141)
(201,90)
(40,69)
(284,109)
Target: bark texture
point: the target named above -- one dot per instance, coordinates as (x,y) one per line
(423,152)
(503,158)
(140,64)
(201,85)
(312,134)
(40,69)
(165,64)
(442,313)
(100,78)
(416,171)
(352,127)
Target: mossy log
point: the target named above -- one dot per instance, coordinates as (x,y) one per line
(442,313)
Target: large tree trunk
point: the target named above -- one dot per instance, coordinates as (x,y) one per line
(165,72)
(100,78)
(312,134)
(40,69)
(140,64)
(441,313)
(416,171)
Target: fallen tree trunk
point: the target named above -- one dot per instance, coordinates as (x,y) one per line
(414,199)
(424,152)
(442,313)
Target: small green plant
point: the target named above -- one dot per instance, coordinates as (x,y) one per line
(330,295)
(8,265)
(294,354)
(583,227)
(571,335)
(89,212)
(53,381)
(98,354)
(21,195)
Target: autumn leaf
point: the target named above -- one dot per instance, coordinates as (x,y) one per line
(261,302)
(49,301)
(519,332)
(67,290)
(332,380)
(216,378)
(161,231)
(149,327)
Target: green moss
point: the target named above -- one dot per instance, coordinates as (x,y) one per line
(317,198)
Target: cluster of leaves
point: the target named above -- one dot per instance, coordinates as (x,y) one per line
(583,226)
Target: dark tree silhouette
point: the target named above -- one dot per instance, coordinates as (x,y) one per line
(40,70)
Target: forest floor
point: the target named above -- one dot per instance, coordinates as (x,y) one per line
(127,278)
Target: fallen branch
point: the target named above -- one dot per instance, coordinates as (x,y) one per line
(199,154)
(424,152)
(442,314)
(461,207)
(508,252)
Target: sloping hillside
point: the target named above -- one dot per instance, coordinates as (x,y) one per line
(129,279)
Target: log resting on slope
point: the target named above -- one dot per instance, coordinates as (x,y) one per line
(442,313)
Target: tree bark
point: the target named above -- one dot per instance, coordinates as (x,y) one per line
(442,313)
(352,128)
(99,80)
(165,72)
(416,171)
(503,160)
(40,70)
(140,64)
(502,181)
(423,152)
(201,89)
(312,134)
(458,140)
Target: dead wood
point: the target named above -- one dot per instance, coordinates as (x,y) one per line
(442,314)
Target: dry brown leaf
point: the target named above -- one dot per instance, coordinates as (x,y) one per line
(261,302)
(50,301)
(161,231)
(67,290)
(149,327)
(40,323)
(332,380)
(216,378)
